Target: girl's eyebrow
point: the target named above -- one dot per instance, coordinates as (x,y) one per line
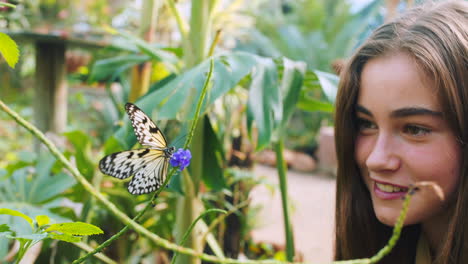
(362,109)
(403,112)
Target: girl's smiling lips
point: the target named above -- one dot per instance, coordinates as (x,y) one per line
(388,191)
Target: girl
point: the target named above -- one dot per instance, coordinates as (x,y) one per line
(402,118)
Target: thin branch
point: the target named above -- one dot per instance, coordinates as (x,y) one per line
(220,218)
(100,256)
(180,22)
(192,225)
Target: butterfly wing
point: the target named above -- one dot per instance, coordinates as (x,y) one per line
(151,178)
(148,165)
(147,133)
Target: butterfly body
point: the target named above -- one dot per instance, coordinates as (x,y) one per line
(147,165)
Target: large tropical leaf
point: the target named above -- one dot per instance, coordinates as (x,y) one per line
(177,99)
(213,175)
(265,104)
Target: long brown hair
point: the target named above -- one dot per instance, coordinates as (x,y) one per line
(436,37)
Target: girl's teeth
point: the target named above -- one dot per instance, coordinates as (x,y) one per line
(389,188)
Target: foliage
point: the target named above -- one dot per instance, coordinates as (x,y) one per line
(42,228)
(317,32)
(9,49)
(314,31)
(268,88)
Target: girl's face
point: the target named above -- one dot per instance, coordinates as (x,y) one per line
(404,139)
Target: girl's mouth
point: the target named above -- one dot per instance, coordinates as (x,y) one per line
(388,191)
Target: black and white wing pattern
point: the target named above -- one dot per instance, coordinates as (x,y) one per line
(147,133)
(147,165)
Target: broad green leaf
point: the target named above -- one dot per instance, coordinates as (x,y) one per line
(75,228)
(291,84)
(155,53)
(110,69)
(177,99)
(42,220)
(46,185)
(265,105)
(213,175)
(82,145)
(329,84)
(65,237)
(312,105)
(16,213)
(9,49)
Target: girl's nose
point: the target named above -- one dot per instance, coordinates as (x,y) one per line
(384,155)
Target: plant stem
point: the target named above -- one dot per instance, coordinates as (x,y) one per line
(199,105)
(180,22)
(192,225)
(281,166)
(123,230)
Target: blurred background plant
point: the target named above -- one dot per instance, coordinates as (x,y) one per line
(256,47)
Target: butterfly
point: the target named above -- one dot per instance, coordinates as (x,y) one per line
(147,165)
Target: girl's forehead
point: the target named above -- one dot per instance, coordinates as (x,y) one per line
(396,80)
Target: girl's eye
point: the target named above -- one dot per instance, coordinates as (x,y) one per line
(417,131)
(365,125)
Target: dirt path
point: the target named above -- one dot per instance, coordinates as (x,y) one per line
(312,197)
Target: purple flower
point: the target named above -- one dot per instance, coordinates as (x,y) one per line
(181,158)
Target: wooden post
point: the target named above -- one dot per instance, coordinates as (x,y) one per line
(141,74)
(50,102)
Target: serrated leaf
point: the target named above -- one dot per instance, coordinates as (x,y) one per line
(65,237)
(42,220)
(9,49)
(75,228)
(16,213)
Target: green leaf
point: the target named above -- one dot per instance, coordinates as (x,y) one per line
(4,228)
(213,175)
(265,105)
(65,237)
(313,105)
(291,84)
(42,220)
(329,84)
(110,69)
(177,99)
(82,145)
(16,213)
(31,237)
(9,49)
(155,53)
(75,228)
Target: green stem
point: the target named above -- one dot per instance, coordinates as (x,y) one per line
(123,230)
(220,218)
(281,166)
(7,5)
(22,250)
(180,22)
(192,225)
(199,105)
(119,109)
(171,246)
(396,231)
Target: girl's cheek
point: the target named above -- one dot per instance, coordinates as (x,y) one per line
(362,149)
